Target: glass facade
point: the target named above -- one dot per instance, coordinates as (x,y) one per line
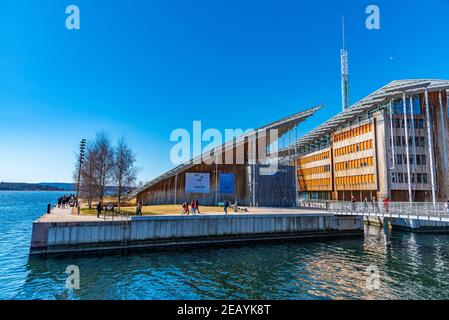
(398,107)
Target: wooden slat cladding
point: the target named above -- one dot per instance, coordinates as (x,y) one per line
(164,191)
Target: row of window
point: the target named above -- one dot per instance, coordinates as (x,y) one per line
(354,164)
(399,141)
(316,183)
(421,159)
(398,106)
(354,180)
(400,177)
(315,157)
(400,123)
(315,170)
(361,146)
(368,127)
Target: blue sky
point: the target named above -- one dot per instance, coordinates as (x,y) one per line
(142,68)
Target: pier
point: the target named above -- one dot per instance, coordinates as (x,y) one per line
(62,232)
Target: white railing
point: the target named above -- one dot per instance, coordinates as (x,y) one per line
(314,204)
(415,210)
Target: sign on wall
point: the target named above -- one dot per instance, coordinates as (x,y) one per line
(197,182)
(227,183)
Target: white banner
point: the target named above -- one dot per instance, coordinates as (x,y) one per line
(197,182)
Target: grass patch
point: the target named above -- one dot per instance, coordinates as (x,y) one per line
(169,209)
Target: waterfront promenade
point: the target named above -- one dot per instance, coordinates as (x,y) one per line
(62,232)
(66,215)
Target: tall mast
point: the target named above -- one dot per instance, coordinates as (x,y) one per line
(344,72)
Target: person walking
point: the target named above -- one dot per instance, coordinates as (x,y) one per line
(193,205)
(185,206)
(139,209)
(99,209)
(225,206)
(386,204)
(353,202)
(365,204)
(197,206)
(374,204)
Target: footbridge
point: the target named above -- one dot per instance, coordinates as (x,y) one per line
(423,211)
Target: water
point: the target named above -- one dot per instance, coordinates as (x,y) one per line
(411,266)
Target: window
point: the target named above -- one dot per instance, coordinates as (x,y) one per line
(421,124)
(398,106)
(394,177)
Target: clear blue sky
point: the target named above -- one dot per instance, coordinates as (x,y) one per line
(142,68)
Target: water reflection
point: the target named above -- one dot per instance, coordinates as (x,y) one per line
(411,266)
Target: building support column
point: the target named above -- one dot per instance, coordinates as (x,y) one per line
(296,166)
(412,125)
(442,129)
(431,155)
(392,137)
(407,149)
(176,189)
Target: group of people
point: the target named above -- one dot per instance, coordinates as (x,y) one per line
(67,201)
(374,204)
(191,207)
(194,207)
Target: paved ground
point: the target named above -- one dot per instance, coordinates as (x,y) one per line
(64,215)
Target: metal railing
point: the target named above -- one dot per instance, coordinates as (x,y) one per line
(416,210)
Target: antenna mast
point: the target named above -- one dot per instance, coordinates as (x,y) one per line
(344,72)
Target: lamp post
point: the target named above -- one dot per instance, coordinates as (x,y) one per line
(82,149)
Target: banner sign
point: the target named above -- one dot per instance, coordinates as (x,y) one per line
(227,183)
(197,182)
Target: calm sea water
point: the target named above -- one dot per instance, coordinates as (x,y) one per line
(411,266)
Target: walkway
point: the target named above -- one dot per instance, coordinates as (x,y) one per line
(64,215)
(402,210)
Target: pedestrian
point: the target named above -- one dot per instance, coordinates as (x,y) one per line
(48,208)
(59,202)
(197,205)
(226,205)
(373,204)
(186,211)
(386,204)
(353,203)
(139,209)
(99,208)
(365,204)
(193,205)
(447,206)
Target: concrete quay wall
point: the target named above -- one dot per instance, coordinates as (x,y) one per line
(157,231)
(415,225)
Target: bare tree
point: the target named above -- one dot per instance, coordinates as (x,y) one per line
(104,162)
(89,184)
(124,171)
(89,187)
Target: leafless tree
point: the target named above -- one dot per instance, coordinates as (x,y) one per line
(124,170)
(89,187)
(104,162)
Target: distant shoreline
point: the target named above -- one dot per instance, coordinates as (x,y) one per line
(19,186)
(4,190)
